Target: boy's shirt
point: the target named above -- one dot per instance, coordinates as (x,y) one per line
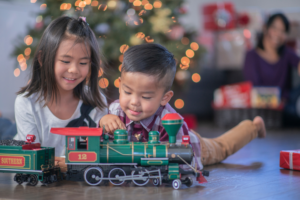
(153,123)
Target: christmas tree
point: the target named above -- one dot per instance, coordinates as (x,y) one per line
(119,24)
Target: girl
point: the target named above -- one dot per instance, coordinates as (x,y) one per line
(63,91)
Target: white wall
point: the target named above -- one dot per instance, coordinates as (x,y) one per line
(15,16)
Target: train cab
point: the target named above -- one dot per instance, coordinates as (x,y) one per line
(82,144)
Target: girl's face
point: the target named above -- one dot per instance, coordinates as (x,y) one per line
(276,33)
(72,64)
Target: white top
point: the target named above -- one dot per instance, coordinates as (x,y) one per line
(32,118)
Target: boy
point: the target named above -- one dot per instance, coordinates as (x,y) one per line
(147,74)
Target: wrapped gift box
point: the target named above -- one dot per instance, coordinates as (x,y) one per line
(290,159)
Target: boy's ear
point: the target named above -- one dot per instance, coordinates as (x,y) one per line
(167,97)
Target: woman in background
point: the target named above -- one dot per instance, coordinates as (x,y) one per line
(270,63)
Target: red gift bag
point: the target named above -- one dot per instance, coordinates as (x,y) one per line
(290,159)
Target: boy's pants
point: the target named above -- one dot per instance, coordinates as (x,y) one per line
(215,150)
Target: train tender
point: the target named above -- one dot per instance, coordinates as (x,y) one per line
(120,160)
(30,161)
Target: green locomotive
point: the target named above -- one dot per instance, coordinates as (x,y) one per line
(30,161)
(120,160)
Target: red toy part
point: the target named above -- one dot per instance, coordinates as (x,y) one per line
(201,179)
(30,138)
(80,131)
(185,140)
(290,159)
(172,116)
(31,146)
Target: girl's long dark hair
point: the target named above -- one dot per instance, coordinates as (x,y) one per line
(268,23)
(42,76)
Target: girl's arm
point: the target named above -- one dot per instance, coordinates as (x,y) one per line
(25,120)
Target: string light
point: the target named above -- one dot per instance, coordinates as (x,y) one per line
(196,77)
(121,58)
(194,46)
(20,58)
(23,66)
(140,35)
(94,3)
(100,72)
(82,4)
(17,72)
(185,60)
(103,83)
(148,6)
(32,1)
(124,48)
(77,2)
(137,3)
(157,4)
(190,53)
(28,40)
(43,6)
(120,67)
(179,103)
(88,2)
(112,4)
(117,83)
(102,7)
(27,51)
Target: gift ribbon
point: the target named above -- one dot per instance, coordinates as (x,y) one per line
(291,160)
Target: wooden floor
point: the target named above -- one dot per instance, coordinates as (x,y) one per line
(251,173)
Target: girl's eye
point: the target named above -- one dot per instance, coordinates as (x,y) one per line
(146,97)
(65,61)
(83,63)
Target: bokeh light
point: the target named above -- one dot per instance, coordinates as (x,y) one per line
(82,4)
(149,39)
(103,83)
(27,51)
(20,58)
(117,83)
(185,60)
(190,53)
(94,3)
(194,46)
(39,19)
(184,67)
(23,66)
(121,58)
(124,48)
(247,33)
(102,7)
(148,6)
(144,2)
(157,4)
(28,40)
(43,6)
(88,2)
(100,72)
(112,4)
(196,77)
(120,67)
(32,1)
(17,72)
(140,35)
(77,2)
(179,103)
(185,41)
(137,3)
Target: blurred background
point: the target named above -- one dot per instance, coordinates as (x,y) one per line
(208,38)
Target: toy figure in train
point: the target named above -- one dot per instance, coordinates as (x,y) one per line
(94,161)
(30,161)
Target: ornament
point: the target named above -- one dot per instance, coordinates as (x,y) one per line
(135,40)
(243,19)
(102,28)
(176,32)
(222,17)
(161,22)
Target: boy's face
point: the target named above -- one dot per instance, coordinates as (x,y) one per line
(141,95)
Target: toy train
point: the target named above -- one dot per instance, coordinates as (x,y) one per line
(30,161)
(94,161)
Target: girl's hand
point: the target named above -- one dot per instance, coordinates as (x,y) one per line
(111,123)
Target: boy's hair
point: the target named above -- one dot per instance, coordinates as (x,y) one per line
(151,59)
(43,79)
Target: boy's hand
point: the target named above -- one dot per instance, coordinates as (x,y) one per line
(111,123)
(59,161)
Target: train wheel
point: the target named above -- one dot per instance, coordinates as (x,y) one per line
(141,182)
(155,182)
(93,175)
(33,180)
(189,181)
(176,184)
(115,173)
(18,178)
